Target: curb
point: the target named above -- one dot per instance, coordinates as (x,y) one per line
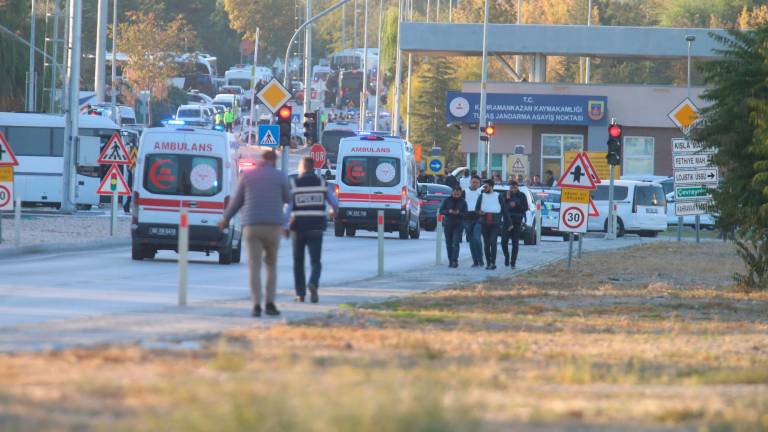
(63,247)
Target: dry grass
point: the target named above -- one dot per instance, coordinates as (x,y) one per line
(659,341)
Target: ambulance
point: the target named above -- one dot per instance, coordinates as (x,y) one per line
(184,168)
(377,173)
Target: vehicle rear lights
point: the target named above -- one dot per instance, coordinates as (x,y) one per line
(404,197)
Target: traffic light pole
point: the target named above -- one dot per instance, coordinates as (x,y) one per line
(483,90)
(611,232)
(252,120)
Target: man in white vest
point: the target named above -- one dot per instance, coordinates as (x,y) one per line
(471,223)
(492,214)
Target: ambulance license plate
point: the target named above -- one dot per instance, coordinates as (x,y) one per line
(162,231)
(357,213)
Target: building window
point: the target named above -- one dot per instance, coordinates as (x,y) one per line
(638,155)
(497,162)
(553,150)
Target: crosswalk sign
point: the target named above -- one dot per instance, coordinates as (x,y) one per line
(7,158)
(269,136)
(115,152)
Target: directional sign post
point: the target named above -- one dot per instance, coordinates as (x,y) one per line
(436,165)
(269,136)
(685,116)
(692,193)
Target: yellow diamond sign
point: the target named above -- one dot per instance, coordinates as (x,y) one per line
(274,95)
(685,116)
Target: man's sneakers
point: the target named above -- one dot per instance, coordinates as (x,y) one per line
(313,297)
(256,311)
(270,309)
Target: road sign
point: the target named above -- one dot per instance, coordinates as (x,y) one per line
(703,176)
(573,217)
(115,152)
(593,208)
(7,158)
(269,136)
(6,196)
(685,115)
(688,208)
(684,146)
(690,161)
(274,95)
(579,175)
(436,165)
(134,153)
(318,154)
(518,165)
(114,176)
(692,193)
(598,162)
(578,196)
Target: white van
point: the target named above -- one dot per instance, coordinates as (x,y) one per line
(641,208)
(187,168)
(377,173)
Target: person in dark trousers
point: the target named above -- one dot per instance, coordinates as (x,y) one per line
(472,225)
(517,206)
(492,213)
(307,221)
(453,210)
(261,194)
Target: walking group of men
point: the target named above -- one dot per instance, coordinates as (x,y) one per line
(484,214)
(271,205)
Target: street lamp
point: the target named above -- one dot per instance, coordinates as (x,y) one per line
(689,39)
(483,91)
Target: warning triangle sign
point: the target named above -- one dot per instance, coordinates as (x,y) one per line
(268,139)
(578,175)
(592,208)
(114,174)
(115,152)
(518,164)
(592,170)
(7,158)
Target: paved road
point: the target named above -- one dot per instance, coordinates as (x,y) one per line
(95,297)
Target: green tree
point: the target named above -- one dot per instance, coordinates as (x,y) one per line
(737,127)
(270,16)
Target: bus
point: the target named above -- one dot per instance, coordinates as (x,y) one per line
(38,142)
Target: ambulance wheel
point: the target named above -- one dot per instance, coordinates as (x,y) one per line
(236,254)
(351,232)
(225,256)
(404,231)
(137,252)
(417,232)
(530,236)
(338,229)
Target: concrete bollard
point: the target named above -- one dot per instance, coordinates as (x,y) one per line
(380,223)
(17,222)
(439,240)
(537,222)
(183,255)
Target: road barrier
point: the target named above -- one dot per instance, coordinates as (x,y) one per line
(439,240)
(380,221)
(183,255)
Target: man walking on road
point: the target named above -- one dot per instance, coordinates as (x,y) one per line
(229,118)
(471,222)
(262,194)
(307,222)
(453,210)
(517,207)
(492,213)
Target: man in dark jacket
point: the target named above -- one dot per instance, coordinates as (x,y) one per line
(307,222)
(453,210)
(492,212)
(517,206)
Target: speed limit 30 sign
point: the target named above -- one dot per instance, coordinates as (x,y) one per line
(6,188)
(574,211)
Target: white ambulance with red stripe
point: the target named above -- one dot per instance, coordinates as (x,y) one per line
(184,168)
(377,173)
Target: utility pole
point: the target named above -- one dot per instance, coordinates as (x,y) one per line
(73,109)
(344,27)
(101,50)
(398,74)
(378,70)
(252,120)
(31,72)
(354,27)
(518,58)
(113,87)
(483,95)
(307,60)
(410,79)
(589,59)
(364,94)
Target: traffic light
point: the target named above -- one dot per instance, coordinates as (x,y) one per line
(488,131)
(113,182)
(310,127)
(284,121)
(614,144)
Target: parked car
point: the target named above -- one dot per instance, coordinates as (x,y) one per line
(550,210)
(432,197)
(641,208)
(529,227)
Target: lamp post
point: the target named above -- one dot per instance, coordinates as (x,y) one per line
(364,93)
(113,87)
(588,65)
(378,70)
(31,72)
(690,39)
(483,93)
(398,74)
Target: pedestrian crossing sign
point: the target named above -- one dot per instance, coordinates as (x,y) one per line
(269,136)
(115,152)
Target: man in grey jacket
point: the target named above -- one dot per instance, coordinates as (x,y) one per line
(262,193)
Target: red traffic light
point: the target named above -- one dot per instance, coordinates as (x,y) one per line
(284,113)
(614,131)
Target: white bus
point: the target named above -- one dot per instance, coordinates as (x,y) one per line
(38,142)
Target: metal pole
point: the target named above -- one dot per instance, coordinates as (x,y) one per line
(364,94)
(73,110)
(588,66)
(611,234)
(439,240)
(307,61)
(380,220)
(378,70)
(690,39)
(581,237)
(410,80)
(17,221)
(398,74)
(437,12)
(183,255)
(113,86)
(101,49)
(31,71)
(570,249)
(354,27)
(344,27)
(518,58)
(450,11)
(113,216)
(253,85)
(54,63)
(483,91)
(537,221)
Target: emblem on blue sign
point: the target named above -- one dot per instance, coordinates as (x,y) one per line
(596,110)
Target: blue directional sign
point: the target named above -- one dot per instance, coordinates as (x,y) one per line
(435,165)
(269,136)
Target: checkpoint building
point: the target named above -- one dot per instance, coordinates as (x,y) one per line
(537,124)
